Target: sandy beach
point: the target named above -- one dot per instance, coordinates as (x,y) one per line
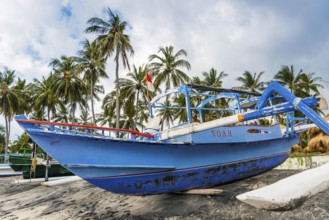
(80,200)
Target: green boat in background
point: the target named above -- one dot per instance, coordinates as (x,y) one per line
(23,163)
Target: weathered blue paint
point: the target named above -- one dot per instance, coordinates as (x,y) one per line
(183,179)
(148,167)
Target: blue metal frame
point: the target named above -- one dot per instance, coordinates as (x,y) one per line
(187,92)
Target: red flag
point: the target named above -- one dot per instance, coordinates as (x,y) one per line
(149,83)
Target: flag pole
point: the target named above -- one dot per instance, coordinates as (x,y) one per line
(147,92)
(150,88)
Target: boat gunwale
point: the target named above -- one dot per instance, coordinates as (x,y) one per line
(104,138)
(146,141)
(86,127)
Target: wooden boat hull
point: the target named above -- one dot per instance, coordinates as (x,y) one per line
(141,168)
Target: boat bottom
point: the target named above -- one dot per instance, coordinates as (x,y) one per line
(189,178)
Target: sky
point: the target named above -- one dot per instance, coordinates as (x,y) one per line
(230,36)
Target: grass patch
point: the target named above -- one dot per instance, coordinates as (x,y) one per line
(302,154)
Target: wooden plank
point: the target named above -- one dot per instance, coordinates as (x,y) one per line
(205,192)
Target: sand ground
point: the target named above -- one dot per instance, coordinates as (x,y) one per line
(80,200)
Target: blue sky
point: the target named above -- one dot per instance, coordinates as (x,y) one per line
(231,36)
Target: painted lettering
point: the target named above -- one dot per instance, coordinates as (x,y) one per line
(224,134)
(221,133)
(213,133)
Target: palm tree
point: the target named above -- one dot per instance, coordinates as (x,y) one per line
(2,140)
(68,86)
(167,114)
(22,143)
(112,39)
(142,115)
(196,80)
(310,83)
(213,79)
(301,84)
(93,65)
(166,67)
(38,114)
(61,115)
(196,100)
(134,87)
(25,94)
(108,114)
(180,114)
(10,101)
(106,117)
(129,116)
(84,118)
(44,95)
(251,82)
(287,77)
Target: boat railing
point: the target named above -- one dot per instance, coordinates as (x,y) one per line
(291,122)
(76,129)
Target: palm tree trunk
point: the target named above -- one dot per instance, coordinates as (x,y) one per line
(137,99)
(47,156)
(73,112)
(141,112)
(92,102)
(48,114)
(117,102)
(7,137)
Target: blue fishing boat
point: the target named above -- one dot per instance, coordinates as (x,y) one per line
(189,155)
